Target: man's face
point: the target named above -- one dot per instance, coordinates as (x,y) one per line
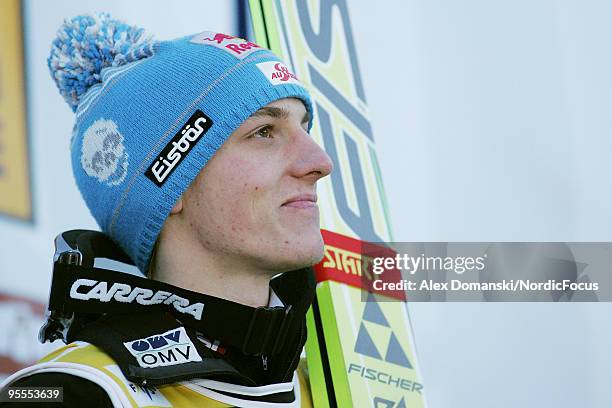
(254,203)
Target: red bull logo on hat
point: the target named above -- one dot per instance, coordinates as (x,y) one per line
(238,47)
(219,38)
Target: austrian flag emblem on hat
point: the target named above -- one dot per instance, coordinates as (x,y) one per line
(277,73)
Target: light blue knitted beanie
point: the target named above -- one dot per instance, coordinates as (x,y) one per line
(150,115)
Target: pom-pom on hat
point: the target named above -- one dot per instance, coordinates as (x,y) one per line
(150,114)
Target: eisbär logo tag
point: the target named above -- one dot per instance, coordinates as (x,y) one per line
(178,148)
(169,348)
(238,47)
(277,73)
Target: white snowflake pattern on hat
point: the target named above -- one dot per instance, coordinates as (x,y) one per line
(103,154)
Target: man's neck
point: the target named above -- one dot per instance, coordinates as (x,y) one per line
(183,263)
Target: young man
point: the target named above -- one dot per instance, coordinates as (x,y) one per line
(194,156)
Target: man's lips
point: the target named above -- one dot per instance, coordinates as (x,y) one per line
(301,201)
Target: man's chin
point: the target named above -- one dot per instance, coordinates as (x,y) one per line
(311,254)
(302,256)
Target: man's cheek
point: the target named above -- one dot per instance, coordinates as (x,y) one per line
(240,166)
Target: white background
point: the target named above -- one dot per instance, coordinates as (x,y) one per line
(492,122)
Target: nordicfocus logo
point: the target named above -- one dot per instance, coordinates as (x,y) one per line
(123,293)
(178,148)
(236,46)
(277,73)
(169,348)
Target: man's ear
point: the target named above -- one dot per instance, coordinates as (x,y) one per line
(178,206)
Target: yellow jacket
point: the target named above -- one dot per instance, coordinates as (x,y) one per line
(87,361)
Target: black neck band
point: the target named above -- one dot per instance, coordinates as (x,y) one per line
(263,330)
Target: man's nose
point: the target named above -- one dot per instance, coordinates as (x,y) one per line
(310,159)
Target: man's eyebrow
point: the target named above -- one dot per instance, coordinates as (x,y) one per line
(277,113)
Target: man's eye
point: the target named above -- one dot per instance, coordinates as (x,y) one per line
(265,132)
